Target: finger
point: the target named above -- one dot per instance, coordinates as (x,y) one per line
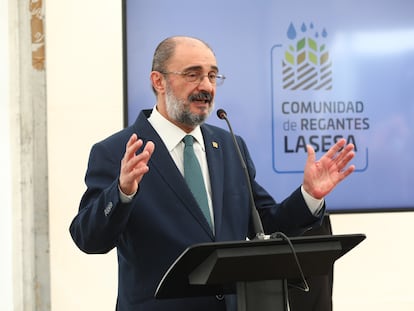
(149,147)
(132,146)
(347,172)
(143,157)
(311,154)
(132,140)
(130,149)
(140,169)
(346,155)
(138,172)
(335,148)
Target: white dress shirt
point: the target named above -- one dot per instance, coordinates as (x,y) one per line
(172,136)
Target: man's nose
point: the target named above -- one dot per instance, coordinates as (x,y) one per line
(205,83)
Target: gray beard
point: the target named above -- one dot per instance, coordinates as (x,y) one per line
(178,111)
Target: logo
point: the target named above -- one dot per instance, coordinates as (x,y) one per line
(306,108)
(306,64)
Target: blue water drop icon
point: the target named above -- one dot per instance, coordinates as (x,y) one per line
(291,33)
(303,28)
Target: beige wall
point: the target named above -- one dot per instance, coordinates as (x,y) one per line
(84,82)
(378,274)
(6,236)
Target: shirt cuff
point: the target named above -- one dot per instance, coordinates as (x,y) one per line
(125,198)
(314,205)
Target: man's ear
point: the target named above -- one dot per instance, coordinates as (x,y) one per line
(158,81)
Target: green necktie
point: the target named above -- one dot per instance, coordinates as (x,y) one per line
(194,177)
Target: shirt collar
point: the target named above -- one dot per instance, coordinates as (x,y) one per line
(171,134)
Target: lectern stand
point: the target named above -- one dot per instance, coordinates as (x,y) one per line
(257,271)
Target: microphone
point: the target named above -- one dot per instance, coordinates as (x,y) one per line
(257,223)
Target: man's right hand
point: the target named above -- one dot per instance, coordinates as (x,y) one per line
(134,166)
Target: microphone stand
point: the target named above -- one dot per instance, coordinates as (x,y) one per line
(257,223)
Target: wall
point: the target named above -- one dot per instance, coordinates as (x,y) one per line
(84,77)
(6,295)
(84,72)
(378,274)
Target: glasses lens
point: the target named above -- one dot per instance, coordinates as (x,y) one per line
(212,77)
(192,76)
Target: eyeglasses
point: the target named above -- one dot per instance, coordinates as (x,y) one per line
(195,76)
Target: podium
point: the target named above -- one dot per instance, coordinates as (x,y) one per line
(256,271)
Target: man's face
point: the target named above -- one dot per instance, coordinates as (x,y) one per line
(189,96)
(190,112)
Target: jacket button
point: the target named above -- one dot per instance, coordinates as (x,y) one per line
(108,208)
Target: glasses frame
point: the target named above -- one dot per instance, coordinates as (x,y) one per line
(218,80)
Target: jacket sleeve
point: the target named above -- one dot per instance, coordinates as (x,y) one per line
(102,216)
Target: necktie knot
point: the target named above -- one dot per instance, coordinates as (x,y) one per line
(188,140)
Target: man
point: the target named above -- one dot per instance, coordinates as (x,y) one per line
(137,198)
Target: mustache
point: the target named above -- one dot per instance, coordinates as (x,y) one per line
(201,96)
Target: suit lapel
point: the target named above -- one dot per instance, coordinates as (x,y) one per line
(163,163)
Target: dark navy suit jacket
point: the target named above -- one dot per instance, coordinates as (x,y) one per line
(163,219)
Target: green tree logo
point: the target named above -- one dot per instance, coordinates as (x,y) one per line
(306,65)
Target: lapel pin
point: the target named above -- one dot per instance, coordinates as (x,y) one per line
(215,144)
